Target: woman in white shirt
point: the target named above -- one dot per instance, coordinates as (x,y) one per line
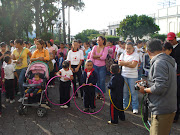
(129,62)
(76,57)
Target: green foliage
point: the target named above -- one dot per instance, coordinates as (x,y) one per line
(137,26)
(112,38)
(159,36)
(87,35)
(46,36)
(178,34)
(56,42)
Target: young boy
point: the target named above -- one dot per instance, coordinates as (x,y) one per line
(65,84)
(116,85)
(9,72)
(89,76)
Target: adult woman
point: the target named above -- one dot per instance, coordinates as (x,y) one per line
(98,56)
(40,53)
(76,57)
(20,54)
(129,62)
(63,50)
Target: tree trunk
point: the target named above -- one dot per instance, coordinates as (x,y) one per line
(37,14)
(69,30)
(64,27)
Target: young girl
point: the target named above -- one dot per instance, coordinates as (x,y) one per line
(89,76)
(65,84)
(33,91)
(9,72)
(111,49)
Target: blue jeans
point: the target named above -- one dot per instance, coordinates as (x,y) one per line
(21,75)
(101,73)
(134,93)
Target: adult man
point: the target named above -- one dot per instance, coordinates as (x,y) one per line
(163,89)
(171,38)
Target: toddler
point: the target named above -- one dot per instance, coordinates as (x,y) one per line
(33,91)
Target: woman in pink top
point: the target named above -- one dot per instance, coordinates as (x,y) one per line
(98,56)
(63,50)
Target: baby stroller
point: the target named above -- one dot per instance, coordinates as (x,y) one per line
(39,98)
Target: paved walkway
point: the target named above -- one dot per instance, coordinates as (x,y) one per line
(70,121)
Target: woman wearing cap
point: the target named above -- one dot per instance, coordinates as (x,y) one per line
(21,54)
(98,56)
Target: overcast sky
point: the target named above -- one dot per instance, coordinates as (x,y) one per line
(97,14)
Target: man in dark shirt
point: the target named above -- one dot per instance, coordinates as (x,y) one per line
(171,38)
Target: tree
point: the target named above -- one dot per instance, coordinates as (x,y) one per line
(76,4)
(137,26)
(86,35)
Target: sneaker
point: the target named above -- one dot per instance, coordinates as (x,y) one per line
(86,110)
(135,111)
(109,122)
(7,100)
(12,101)
(52,86)
(25,98)
(18,93)
(62,106)
(65,106)
(20,100)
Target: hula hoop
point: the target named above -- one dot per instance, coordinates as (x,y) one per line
(129,99)
(47,86)
(142,114)
(82,110)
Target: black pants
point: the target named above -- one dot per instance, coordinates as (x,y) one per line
(78,74)
(52,75)
(178,98)
(89,96)
(64,91)
(9,88)
(118,102)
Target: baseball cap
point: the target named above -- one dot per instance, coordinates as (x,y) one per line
(52,41)
(171,36)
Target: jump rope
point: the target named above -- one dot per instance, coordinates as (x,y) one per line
(129,105)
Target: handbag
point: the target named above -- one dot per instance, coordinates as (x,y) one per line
(109,61)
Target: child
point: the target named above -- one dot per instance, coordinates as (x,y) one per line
(116,85)
(60,60)
(65,84)
(9,72)
(33,91)
(89,76)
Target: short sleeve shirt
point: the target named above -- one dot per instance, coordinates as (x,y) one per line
(126,71)
(22,58)
(75,57)
(66,74)
(9,71)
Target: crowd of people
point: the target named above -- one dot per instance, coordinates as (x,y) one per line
(85,64)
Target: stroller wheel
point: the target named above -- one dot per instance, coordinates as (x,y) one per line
(41,111)
(22,110)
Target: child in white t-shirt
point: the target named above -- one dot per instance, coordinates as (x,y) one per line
(9,72)
(65,83)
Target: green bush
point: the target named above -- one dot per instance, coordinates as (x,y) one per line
(112,38)
(159,36)
(56,42)
(46,36)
